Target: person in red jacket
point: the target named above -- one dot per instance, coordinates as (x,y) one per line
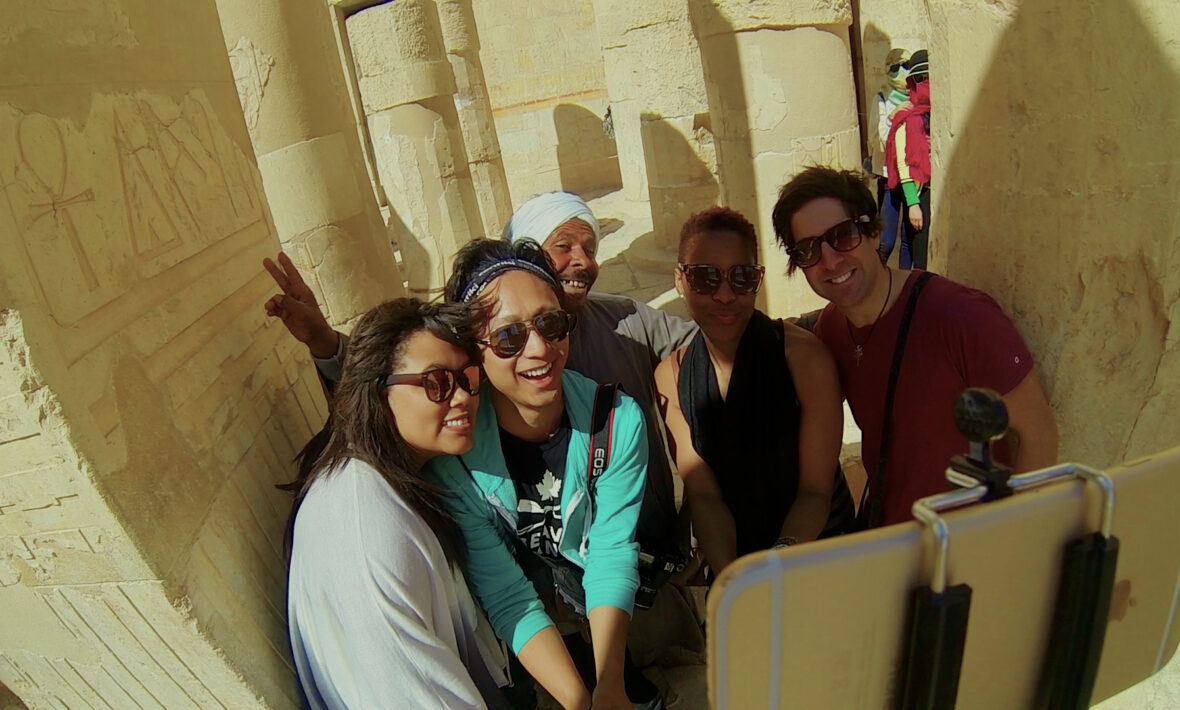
(907,153)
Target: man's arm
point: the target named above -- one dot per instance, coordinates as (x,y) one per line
(665,332)
(996,356)
(712,521)
(1032,428)
(821,428)
(297,307)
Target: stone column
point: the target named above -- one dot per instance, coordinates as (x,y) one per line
(461,40)
(781,97)
(660,110)
(292,90)
(407,88)
(148,407)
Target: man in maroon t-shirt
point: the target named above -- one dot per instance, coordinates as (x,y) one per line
(959,337)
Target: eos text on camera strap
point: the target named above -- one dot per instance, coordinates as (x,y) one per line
(602,419)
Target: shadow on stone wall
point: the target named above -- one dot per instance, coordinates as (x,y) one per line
(679,183)
(1060,198)
(727,106)
(586,157)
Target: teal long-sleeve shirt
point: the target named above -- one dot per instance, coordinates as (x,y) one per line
(603,544)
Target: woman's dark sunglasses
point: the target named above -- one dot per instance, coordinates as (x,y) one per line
(705,279)
(440,384)
(843,236)
(508,340)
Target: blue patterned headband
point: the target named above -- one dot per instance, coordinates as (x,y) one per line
(489,273)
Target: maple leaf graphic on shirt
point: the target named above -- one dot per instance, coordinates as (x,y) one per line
(549,486)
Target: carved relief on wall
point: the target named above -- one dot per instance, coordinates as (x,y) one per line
(251,67)
(110,216)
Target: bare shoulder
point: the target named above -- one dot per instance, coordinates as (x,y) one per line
(666,374)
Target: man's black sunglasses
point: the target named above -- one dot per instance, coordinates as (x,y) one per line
(508,340)
(842,236)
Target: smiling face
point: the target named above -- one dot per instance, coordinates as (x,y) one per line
(724,314)
(432,428)
(531,379)
(844,278)
(572,246)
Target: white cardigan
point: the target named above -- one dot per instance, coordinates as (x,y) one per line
(376,615)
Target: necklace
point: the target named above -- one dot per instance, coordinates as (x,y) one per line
(859,351)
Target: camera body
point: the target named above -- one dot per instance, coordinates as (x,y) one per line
(654,572)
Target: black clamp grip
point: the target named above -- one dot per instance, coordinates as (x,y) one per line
(982,417)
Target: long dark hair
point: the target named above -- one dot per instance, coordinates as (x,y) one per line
(362,426)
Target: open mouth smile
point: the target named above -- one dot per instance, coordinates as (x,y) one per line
(537,372)
(841,278)
(460,422)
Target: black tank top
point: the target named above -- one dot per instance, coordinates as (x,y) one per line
(751,438)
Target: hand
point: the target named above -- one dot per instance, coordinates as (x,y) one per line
(611,696)
(297,308)
(915,215)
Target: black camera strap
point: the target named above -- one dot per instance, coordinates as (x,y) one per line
(876,501)
(601,420)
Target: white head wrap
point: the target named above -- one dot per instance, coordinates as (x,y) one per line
(537,218)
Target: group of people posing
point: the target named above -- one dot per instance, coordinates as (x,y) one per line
(484,483)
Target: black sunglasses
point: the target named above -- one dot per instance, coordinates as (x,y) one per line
(706,279)
(893,68)
(843,236)
(440,383)
(508,340)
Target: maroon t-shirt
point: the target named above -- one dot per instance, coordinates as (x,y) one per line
(959,338)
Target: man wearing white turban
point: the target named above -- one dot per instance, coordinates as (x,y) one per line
(562,223)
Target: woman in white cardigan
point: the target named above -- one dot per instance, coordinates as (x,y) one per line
(378,612)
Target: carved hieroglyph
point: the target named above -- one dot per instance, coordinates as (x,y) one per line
(251,68)
(147,409)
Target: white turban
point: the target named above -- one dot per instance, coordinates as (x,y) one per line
(537,218)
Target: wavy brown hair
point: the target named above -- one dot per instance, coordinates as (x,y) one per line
(361,425)
(847,186)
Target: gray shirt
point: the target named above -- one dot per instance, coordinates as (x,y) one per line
(619,339)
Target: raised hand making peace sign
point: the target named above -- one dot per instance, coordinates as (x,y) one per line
(297,307)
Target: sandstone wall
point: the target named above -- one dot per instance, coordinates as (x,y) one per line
(1057,189)
(146,407)
(543,64)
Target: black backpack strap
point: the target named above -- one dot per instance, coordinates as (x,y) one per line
(601,421)
(876,503)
